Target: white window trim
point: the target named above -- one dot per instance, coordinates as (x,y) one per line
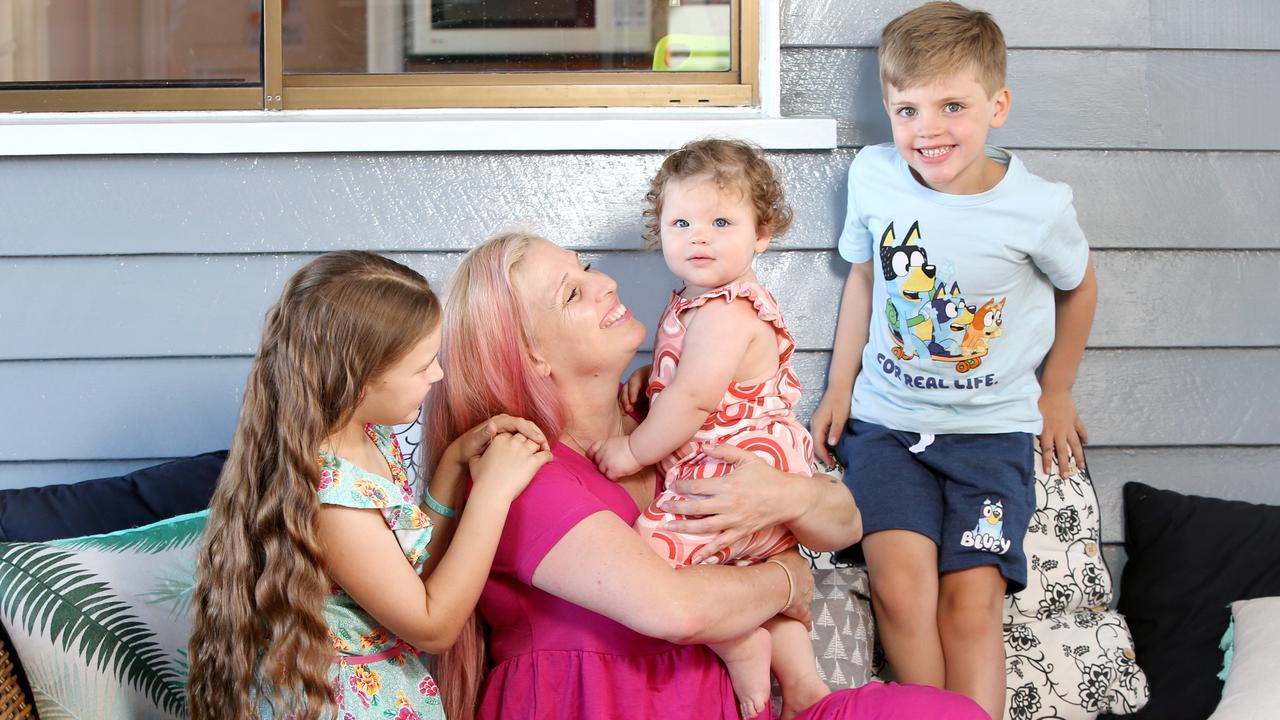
(436,130)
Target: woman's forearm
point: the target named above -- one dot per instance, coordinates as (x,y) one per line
(604,566)
(718,602)
(826,517)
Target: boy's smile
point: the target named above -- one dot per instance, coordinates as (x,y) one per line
(940,129)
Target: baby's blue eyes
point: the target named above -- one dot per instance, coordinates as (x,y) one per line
(718,222)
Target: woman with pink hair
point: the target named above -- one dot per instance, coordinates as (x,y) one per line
(585,620)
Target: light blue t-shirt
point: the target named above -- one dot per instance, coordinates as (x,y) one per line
(962,312)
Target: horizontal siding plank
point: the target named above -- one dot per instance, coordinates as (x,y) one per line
(1125,199)
(310,203)
(1178,24)
(1243,24)
(1169,199)
(1233,473)
(1058,97)
(1099,23)
(120,409)
(188,306)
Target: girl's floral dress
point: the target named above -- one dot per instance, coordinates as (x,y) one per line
(376,674)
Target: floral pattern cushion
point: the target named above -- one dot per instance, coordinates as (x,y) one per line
(1067,655)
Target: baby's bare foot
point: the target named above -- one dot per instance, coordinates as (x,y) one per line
(747,661)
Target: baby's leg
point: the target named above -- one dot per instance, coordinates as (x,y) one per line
(903,569)
(747,660)
(970,623)
(795,666)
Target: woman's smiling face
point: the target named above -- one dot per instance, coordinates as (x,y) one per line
(580,328)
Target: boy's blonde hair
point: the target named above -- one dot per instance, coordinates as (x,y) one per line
(729,163)
(936,41)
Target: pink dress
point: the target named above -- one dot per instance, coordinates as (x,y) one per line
(757,417)
(558,661)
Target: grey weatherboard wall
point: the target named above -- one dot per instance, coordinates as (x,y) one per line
(132,288)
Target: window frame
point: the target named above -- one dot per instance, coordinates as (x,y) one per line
(738,87)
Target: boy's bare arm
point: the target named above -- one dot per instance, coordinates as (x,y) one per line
(1063,430)
(828,420)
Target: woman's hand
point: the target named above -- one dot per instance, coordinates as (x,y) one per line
(1063,436)
(506,466)
(802,586)
(473,442)
(818,509)
(751,498)
(630,392)
(614,457)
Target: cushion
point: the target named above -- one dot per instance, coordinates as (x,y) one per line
(1251,690)
(1188,558)
(843,631)
(100,623)
(1067,656)
(109,504)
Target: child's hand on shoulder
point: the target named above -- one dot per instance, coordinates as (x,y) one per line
(1064,434)
(475,441)
(508,463)
(614,457)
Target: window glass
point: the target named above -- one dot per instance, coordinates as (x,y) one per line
(454,36)
(129,43)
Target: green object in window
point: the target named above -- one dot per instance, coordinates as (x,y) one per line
(692,53)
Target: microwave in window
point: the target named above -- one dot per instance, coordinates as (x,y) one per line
(530,27)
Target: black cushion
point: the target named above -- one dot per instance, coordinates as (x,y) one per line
(1188,557)
(105,505)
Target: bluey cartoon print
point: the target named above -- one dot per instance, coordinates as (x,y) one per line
(951,319)
(986,325)
(988,534)
(909,280)
(929,320)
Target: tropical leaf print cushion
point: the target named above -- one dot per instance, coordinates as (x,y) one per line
(100,623)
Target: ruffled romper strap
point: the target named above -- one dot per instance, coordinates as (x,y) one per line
(765,304)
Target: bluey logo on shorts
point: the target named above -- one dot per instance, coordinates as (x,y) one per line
(988,534)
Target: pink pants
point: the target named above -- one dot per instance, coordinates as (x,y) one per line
(891,701)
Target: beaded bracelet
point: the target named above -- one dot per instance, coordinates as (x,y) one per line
(441,510)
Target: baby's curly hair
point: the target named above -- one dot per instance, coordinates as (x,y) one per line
(728,162)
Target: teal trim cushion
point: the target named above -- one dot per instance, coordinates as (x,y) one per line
(100,623)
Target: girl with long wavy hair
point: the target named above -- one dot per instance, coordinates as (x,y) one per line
(322,584)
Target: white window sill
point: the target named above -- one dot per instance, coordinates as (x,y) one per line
(330,131)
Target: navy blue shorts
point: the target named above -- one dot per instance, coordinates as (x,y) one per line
(972,495)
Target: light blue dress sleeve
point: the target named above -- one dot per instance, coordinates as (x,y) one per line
(855,239)
(1063,253)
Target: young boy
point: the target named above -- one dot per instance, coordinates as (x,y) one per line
(967,269)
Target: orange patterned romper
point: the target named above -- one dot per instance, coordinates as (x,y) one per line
(756,417)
